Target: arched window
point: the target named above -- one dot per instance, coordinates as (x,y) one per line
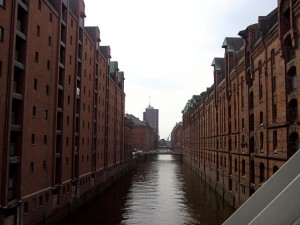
(293,111)
(293,145)
(292,76)
(275,168)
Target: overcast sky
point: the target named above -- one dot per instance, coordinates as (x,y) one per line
(165,47)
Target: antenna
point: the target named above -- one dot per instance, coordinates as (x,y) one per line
(149,100)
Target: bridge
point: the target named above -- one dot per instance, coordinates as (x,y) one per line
(162,152)
(144,155)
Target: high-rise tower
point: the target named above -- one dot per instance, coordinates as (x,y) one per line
(151,115)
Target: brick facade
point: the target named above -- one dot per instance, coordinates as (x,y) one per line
(143,135)
(62,104)
(245,126)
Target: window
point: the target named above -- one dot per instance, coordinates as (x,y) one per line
(274,140)
(293,82)
(48,64)
(0,68)
(40,200)
(71,23)
(235,165)
(31,169)
(26,203)
(46,114)
(50,17)
(32,139)
(275,168)
(69,79)
(49,40)
(47,89)
(274,112)
(47,198)
(261,118)
(1,33)
(33,111)
(45,139)
(272,58)
(70,60)
(44,165)
(40,5)
(36,57)
(243,167)
(68,99)
(261,172)
(67,140)
(274,83)
(261,141)
(35,84)
(38,30)
(71,40)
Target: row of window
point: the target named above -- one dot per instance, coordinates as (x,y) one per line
(43,199)
(31,166)
(33,139)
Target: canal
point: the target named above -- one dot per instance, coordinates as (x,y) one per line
(162,190)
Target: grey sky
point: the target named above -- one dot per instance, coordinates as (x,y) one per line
(165,47)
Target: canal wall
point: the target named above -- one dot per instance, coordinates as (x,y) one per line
(209,174)
(110,176)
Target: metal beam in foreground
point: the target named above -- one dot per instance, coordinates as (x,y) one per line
(276,202)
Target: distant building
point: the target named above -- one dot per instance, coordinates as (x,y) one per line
(143,134)
(177,137)
(151,115)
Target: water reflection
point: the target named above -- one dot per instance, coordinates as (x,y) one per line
(162,190)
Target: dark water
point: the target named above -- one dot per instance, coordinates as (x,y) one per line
(161,191)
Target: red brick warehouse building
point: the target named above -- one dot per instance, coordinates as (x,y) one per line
(62,110)
(144,136)
(246,125)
